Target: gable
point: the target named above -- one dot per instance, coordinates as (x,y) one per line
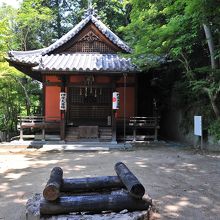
(89,39)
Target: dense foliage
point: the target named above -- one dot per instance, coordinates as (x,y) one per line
(183,32)
(187,33)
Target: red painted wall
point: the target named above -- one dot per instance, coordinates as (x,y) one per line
(52,102)
(76,79)
(52,96)
(103,79)
(52,79)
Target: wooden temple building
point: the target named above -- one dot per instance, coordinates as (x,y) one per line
(79,73)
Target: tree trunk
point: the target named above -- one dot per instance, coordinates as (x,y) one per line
(27,101)
(212,99)
(214,107)
(214,65)
(58,19)
(116,202)
(134,187)
(211,44)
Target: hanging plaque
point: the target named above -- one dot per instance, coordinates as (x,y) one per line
(62,101)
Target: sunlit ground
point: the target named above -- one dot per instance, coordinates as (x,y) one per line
(183,185)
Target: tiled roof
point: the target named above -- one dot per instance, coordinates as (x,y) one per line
(44,60)
(85,62)
(102,27)
(81,62)
(30,60)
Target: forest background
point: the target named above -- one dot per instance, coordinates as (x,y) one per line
(181,38)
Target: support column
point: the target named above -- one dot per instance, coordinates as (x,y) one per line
(134,134)
(155,134)
(114,134)
(43,134)
(63,112)
(21,134)
(125,99)
(114,124)
(156,129)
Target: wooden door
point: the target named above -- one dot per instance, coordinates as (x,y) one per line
(89,106)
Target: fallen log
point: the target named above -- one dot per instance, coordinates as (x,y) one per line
(132,184)
(52,189)
(116,202)
(91,184)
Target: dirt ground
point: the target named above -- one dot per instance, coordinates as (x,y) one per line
(182,183)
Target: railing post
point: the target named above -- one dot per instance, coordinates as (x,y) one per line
(21,134)
(134,134)
(62,129)
(156,130)
(21,129)
(43,129)
(43,134)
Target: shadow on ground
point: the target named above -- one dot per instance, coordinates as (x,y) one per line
(183,185)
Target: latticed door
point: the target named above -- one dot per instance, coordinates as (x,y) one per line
(89,106)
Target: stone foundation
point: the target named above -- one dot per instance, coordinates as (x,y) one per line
(33,213)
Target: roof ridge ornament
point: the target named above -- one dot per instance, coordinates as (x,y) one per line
(89,3)
(90,11)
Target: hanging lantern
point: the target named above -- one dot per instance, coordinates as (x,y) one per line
(115,100)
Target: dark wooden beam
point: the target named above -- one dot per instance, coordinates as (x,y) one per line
(136,97)
(44,96)
(127,85)
(134,187)
(77,85)
(114,125)
(52,190)
(96,203)
(91,184)
(53,84)
(63,112)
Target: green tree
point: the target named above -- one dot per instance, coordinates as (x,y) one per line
(185,31)
(33,23)
(16,97)
(67,13)
(7,23)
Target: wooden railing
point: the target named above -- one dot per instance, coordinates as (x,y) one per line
(144,123)
(37,122)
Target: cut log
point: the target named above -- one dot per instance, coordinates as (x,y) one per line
(116,202)
(91,184)
(52,190)
(134,187)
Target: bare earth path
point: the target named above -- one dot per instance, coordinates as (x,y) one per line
(183,184)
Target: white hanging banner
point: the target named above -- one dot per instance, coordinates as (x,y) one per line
(198,125)
(62,101)
(115,100)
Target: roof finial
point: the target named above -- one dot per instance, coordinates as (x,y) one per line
(90,10)
(89,4)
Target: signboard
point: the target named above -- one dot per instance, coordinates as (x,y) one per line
(115,100)
(198,125)
(62,101)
